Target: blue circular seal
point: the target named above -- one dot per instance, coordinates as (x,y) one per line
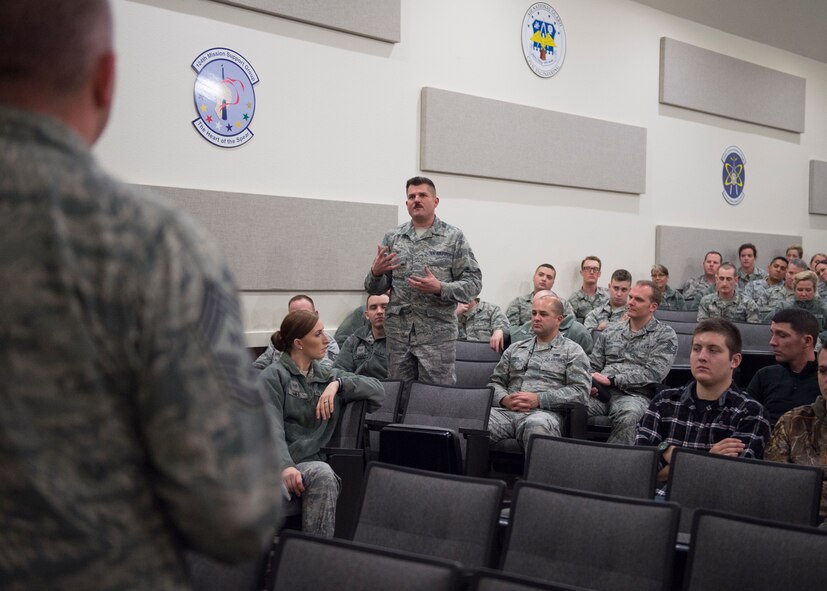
(733,174)
(225,99)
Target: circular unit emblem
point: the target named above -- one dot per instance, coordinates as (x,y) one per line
(733,174)
(225,99)
(544,40)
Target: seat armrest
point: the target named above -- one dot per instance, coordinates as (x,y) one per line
(575,416)
(377,424)
(467,432)
(342,451)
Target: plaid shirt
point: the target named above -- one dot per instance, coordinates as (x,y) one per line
(678,417)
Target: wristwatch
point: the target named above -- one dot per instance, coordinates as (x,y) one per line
(662,447)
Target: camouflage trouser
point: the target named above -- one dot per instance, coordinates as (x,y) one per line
(321,490)
(624,410)
(507,424)
(433,363)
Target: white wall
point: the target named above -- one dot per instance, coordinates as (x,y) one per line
(337,117)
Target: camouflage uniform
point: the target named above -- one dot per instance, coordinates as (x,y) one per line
(131,428)
(582,304)
(557,372)
(744,278)
(636,361)
(481,322)
(694,289)
(672,300)
(768,297)
(816,307)
(800,437)
(569,328)
(421,327)
(604,312)
(363,355)
(519,310)
(295,397)
(821,290)
(739,309)
(271,354)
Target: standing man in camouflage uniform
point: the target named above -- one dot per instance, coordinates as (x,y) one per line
(131,427)
(630,358)
(727,302)
(364,351)
(697,287)
(589,296)
(769,293)
(519,309)
(747,254)
(429,268)
(482,321)
(536,374)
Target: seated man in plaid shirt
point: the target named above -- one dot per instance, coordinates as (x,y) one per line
(710,413)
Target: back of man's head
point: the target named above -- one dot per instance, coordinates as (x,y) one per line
(800,321)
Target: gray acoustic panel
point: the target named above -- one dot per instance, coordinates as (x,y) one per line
(682,249)
(695,78)
(818,187)
(470,135)
(288,243)
(377,19)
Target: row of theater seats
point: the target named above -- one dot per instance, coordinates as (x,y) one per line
(566,530)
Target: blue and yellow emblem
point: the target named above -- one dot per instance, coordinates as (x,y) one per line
(543,40)
(734,174)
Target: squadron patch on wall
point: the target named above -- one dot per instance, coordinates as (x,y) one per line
(225,99)
(544,40)
(734,174)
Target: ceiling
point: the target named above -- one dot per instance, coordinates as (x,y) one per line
(799,26)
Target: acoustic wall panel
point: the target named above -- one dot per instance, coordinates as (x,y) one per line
(470,135)
(287,243)
(682,249)
(695,78)
(378,19)
(818,187)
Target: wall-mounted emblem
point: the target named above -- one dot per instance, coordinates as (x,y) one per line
(734,174)
(544,40)
(224,97)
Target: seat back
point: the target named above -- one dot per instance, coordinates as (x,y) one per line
(209,575)
(676,315)
(350,430)
(476,351)
(454,407)
(731,552)
(755,337)
(474,374)
(681,327)
(308,562)
(454,517)
(387,413)
(622,470)
(492,580)
(418,446)
(768,490)
(590,540)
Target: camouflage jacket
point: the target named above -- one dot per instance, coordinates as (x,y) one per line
(569,328)
(478,324)
(271,354)
(446,252)
(519,309)
(770,298)
(816,307)
(144,433)
(635,359)
(582,304)
(363,355)
(557,372)
(694,289)
(295,397)
(800,437)
(672,300)
(744,278)
(739,309)
(353,322)
(604,313)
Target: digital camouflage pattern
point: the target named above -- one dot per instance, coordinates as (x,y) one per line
(131,427)
(769,298)
(569,328)
(672,300)
(519,309)
(739,309)
(424,318)
(694,289)
(604,313)
(745,278)
(581,303)
(481,322)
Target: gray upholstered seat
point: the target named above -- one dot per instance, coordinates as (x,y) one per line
(474,374)
(476,351)
(731,552)
(453,517)
(590,540)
